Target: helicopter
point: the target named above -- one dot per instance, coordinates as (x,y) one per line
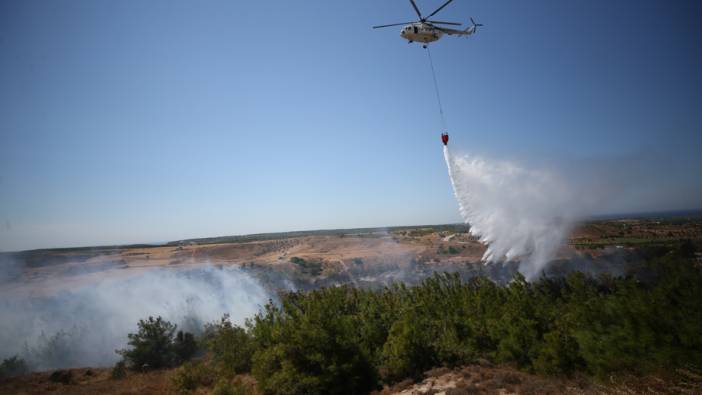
(426,31)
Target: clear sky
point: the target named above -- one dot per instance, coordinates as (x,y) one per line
(147,121)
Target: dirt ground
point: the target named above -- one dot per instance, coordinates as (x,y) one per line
(473,379)
(89,382)
(489,380)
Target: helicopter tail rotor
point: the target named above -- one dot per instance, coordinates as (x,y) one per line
(475,25)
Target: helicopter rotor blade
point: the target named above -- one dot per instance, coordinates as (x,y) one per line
(419,14)
(438,9)
(393,24)
(446,23)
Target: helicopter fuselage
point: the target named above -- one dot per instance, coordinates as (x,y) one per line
(420,32)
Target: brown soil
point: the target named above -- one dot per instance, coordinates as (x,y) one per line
(89,382)
(485,379)
(473,379)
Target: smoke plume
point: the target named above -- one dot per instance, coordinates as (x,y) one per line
(83,326)
(519,214)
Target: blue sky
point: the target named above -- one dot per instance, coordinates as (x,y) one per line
(145,121)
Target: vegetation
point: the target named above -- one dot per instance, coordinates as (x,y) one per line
(119,371)
(231,347)
(349,340)
(192,375)
(154,346)
(361,232)
(13,366)
(312,268)
(184,346)
(225,387)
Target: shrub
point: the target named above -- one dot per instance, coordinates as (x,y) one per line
(154,345)
(225,387)
(63,348)
(13,366)
(312,345)
(297,260)
(184,346)
(192,375)
(312,268)
(231,347)
(119,371)
(61,376)
(407,352)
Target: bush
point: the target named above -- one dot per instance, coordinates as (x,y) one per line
(407,351)
(154,345)
(119,371)
(61,376)
(297,260)
(184,346)
(311,345)
(225,387)
(13,366)
(63,348)
(312,268)
(192,375)
(230,346)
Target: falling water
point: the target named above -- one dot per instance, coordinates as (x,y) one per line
(520,214)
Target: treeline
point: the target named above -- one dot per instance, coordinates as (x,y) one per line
(417,229)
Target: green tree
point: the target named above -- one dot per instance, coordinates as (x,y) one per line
(230,346)
(311,344)
(152,346)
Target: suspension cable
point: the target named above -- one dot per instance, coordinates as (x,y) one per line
(438,97)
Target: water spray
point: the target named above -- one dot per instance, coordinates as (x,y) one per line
(519,214)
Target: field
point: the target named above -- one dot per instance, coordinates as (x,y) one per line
(365,257)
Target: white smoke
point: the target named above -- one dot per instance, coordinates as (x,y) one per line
(519,214)
(83,326)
